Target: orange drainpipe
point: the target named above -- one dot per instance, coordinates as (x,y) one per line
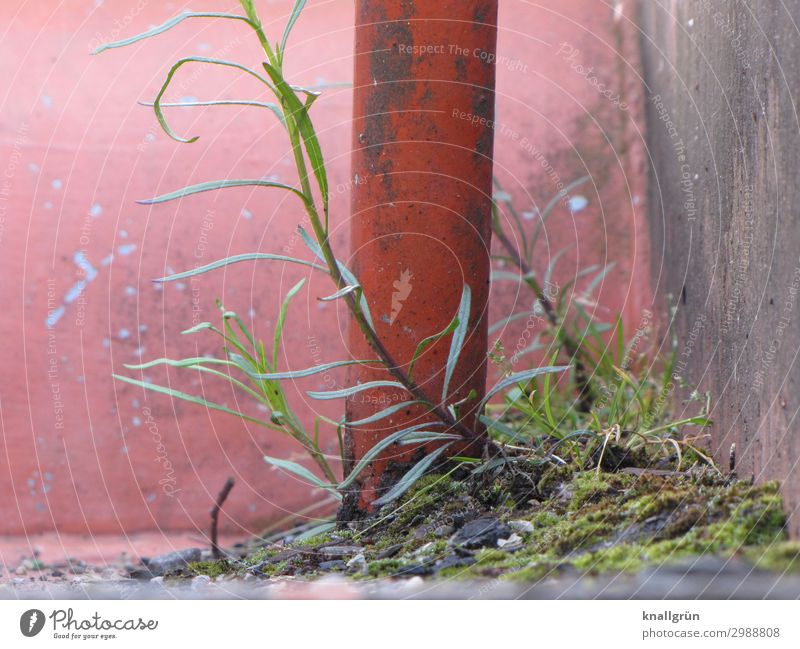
(421,209)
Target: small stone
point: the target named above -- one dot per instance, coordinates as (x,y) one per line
(389,552)
(481,533)
(418,569)
(173,561)
(523,527)
(358,564)
(248,577)
(513,542)
(444,530)
(157,580)
(337,564)
(201,581)
(453,561)
(341,550)
(21,570)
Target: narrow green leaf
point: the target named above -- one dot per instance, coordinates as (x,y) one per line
(192,399)
(545,214)
(507,276)
(296,10)
(347,275)
(347,392)
(322,528)
(548,276)
(519,377)
(299,374)
(410,478)
(167,26)
(235,259)
(180,63)
(427,342)
(459,336)
(506,321)
(424,436)
(298,112)
(341,293)
(494,424)
(223,102)
(300,471)
(202,326)
(598,278)
(276,345)
(186,362)
(376,450)
(387,412)
(217,184)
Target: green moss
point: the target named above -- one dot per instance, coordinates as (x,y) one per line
(552,479)
(619,558)
(210,568)
(593,487)
(384,567)
(779,557)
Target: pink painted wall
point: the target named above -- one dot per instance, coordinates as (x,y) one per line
(80,453)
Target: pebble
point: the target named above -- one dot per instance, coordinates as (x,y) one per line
(157,580)
(201,581)
(341,550)
(336,564)
(444,530)
(523,527)
(358,564)
(173,561)
(513,542)
(481,533)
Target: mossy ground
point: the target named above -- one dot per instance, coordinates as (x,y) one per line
(565,520)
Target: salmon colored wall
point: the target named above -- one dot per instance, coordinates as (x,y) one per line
(80,453)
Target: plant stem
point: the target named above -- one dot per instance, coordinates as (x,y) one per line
(572,348)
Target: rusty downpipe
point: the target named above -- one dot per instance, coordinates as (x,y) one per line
(421,211)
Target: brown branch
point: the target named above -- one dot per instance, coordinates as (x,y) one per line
(221,498)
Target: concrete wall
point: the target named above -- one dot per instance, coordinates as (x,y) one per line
(79,453)
(724,198)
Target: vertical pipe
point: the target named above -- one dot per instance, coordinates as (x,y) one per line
(421,209)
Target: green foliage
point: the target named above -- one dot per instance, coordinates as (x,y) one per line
(245,364)
(615,400)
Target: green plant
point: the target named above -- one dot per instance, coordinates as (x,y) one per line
(247,364)
(616,395)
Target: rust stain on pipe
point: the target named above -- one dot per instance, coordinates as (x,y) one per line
(421,210)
